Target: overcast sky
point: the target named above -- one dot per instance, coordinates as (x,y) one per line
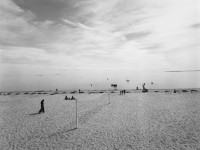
(68,44)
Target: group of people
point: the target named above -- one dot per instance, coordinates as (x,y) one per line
(122,92)
(42,103)
(68,98)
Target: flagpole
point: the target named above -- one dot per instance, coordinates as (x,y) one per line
(108,92)
(109,95)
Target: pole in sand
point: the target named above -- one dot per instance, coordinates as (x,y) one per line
(76,114)
(108,92)
(109,95)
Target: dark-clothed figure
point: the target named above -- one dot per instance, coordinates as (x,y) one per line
(66,98)
(72,98)
(124,91)
(42,107)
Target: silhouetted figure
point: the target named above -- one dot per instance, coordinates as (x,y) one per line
(42,107)
(79,91)
(124,92)
(66,98)
(72,98)
(174,91)
(137,88)
(144,89)
(56,90)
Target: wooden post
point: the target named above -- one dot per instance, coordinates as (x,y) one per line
(76,114)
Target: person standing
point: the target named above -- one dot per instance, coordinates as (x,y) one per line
(42,107)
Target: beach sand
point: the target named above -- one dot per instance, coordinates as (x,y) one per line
(147,121)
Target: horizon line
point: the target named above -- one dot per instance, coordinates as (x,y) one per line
(183,71)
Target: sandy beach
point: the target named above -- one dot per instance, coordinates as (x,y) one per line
(150,121)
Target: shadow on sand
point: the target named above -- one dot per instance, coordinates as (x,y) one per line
(62,132)
(35,114)
(70,130)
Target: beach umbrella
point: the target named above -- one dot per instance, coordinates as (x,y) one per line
(114,85)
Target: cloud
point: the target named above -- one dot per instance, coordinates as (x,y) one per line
(49,9)
(18,27)
(77,24)
(153,46)
(24,55)
(196,26)
(137,35)
(183,71)
(97,33)
(39,75)
(71,23)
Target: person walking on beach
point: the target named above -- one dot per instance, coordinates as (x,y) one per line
(42,107)
(122,92)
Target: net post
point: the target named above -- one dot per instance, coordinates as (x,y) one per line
(109,95)
(76,115)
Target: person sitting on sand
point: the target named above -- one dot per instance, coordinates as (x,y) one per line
(72,98)
(42,107)
(144,89)
(66,98)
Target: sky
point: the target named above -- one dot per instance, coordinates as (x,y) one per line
(71,44)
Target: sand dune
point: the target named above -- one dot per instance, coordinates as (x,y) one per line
(133,121)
